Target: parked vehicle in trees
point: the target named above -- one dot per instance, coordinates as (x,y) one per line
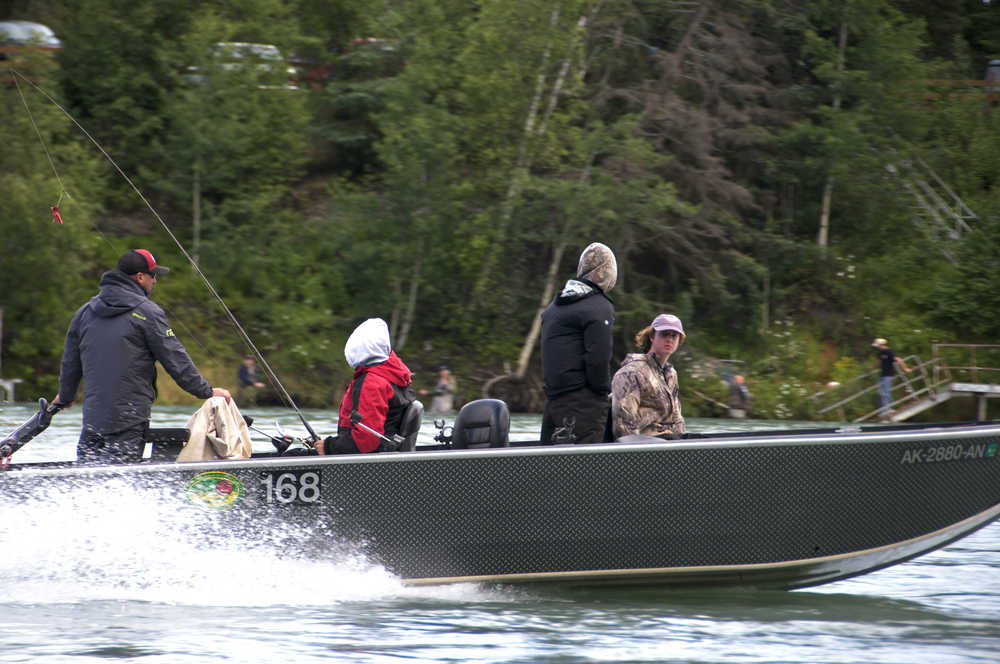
(265,60)
(17,36)
(364,58)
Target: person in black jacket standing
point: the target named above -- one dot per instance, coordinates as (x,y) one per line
(576,351)
(113,344)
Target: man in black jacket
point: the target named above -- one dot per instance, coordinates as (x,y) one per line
(113,344)
(576,351)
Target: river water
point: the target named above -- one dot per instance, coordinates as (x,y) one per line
(93,578)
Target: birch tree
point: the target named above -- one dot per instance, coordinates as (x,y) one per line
(867,82)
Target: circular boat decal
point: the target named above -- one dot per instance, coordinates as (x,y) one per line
(214,490)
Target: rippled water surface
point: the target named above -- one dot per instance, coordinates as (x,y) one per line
(113,575)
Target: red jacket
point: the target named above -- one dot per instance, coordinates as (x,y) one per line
(381,401)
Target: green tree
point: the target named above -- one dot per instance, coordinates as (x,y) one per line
(419,199)
(346,106)
(863,106)
(704,85)
(964,148)
(47,266)
(119,67)
(235,146)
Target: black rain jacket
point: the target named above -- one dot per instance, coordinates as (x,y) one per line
(577,341)
(113,344)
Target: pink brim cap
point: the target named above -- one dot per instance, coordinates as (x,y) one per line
(668,322)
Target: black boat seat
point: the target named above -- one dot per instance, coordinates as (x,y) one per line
(167,442)
(481,423)
(409,426)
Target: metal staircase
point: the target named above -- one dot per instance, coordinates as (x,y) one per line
(938,211)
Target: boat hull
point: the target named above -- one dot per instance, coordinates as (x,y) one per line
(769,511)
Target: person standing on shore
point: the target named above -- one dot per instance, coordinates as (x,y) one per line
(887,364)
(249,375)
(443,395)
(576,351)
(739,397)
(249,381)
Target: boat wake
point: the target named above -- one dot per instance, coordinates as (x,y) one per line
(113,542)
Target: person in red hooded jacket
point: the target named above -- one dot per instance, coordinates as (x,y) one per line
(380,392)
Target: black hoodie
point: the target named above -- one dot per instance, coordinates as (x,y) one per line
(113,344)
(576,340)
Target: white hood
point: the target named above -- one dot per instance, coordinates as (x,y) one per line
(368,344)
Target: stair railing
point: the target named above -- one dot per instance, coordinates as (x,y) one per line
(924,384)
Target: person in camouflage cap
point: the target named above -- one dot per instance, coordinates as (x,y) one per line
(644,391)
(576,352)
(598,266)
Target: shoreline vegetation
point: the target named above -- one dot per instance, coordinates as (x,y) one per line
(704,394)
(770,172)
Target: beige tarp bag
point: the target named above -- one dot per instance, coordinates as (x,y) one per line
(218,431)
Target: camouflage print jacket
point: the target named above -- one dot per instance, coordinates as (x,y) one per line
(644,398)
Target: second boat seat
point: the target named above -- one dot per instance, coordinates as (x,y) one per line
(482,423)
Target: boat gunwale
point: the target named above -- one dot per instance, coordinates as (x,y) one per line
(760,439)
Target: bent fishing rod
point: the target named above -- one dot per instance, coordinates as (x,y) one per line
(246,337)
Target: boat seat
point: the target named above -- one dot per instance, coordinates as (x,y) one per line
(481,423)
(167,442)
(409,426)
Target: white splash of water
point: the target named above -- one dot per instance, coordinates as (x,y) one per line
(112,541)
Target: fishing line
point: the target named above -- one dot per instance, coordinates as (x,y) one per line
(62,187)
(189,333)
(208,284)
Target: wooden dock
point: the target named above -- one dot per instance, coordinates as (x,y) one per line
(6,384)
(7,388)
(980,391)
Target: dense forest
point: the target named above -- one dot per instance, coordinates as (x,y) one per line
(757,167)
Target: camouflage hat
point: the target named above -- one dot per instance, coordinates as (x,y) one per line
(598,266)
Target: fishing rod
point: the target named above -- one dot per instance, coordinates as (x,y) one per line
(246,337)
(282,441)
(394,443)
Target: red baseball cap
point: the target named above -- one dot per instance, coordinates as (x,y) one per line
(140,260)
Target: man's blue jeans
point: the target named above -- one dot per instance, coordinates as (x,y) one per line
(884,394)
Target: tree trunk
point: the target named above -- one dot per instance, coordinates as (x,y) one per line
(536,325)
(551,281)
(196,212)
(520,168)
(824,217)
(411,300)
(523,164)
(394,315)
(765,307)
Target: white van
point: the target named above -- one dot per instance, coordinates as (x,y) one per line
(15,36)
(266,59)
